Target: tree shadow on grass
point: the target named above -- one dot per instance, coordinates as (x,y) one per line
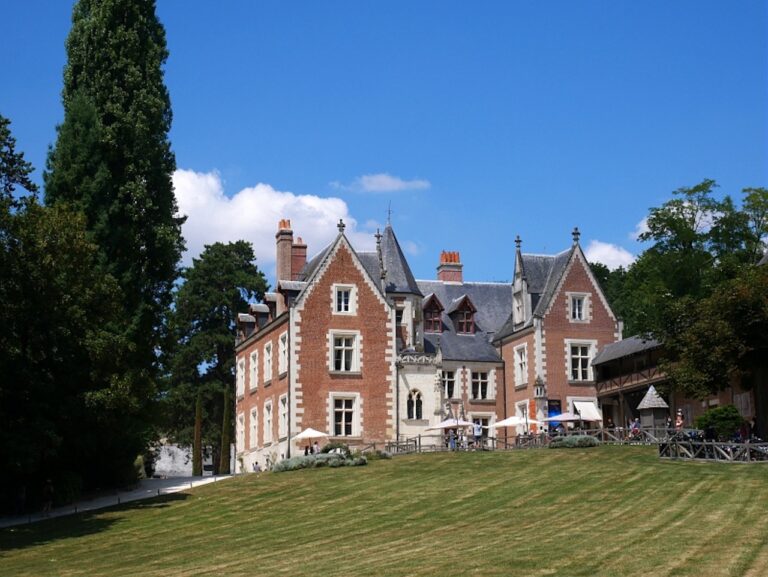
(77,524)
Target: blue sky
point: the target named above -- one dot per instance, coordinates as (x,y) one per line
(477,121)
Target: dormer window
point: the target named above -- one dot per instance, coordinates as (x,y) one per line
(433,311)
(462,312)
(465,322)
(518,298)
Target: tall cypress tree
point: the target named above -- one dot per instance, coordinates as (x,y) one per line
(113,161)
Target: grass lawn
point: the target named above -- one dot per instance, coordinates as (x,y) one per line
(605,511)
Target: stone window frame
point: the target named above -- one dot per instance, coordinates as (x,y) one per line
(356,413)
(356,359)
(253,440)
(521,369)
(351,304)
(240,377)
(267,362)
(591,345)
(585,309)
(444,380)
(282,353)
(415,405)
(253,363)
(480,381)
(267,433)
(282,417)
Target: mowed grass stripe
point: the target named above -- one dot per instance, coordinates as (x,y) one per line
(607,511)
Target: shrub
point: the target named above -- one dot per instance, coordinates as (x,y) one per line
(377,454)
(320,460)
(336,445)
(574,442)
(725,421)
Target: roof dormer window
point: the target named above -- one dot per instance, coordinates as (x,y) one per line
(465,322)
(433,311)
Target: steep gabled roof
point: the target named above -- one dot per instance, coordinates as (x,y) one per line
(399,277)
(542,274)
(460,302)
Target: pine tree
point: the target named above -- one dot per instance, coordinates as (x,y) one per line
(197,445)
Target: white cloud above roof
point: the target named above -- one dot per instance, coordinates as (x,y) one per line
(253,213)
(382,182)
(611,255)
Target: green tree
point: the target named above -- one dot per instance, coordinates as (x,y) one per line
(62,396)
(197,443)
(113,162)
(218,285)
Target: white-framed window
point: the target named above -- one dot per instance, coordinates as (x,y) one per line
(345,355)
(254,372)
(254,429)
(480,385)
(344,416)
(449,384)
(579,355)
(518,300)
(282,422)
(240,436)
(282,353)
(267,362)
(240,377)
(521,365)
(414,405)
(344,299)
(578,307)
(267,422)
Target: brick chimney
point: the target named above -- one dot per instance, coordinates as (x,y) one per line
(284,238)
(298,258)
(449,269)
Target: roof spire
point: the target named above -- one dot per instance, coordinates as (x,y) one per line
(389,214)
(341,226)
(576,234)
(518,242)
(382,271)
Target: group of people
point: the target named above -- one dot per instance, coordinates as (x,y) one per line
(312,449)
(455,438)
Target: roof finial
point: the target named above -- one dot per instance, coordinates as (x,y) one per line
(341,226)
(389,214)
(518,242)
(576,235)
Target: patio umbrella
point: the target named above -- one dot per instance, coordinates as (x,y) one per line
(450,424)
(563,418)
(514,421)
(308,434)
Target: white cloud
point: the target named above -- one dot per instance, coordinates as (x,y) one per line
(252,214)
(640,228)
(411,248)
(611,255)
(382,182)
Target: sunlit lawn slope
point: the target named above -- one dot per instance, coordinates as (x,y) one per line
(607,511)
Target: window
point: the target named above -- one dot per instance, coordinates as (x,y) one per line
(432,322)
(253,441)
(282,423)
(465,322)
(449,382)
(240,436)
(414,405)
(267,422)
(254,376)
(343,414)
(240,377)
(521,365)
(345,352)
(344,299)
(282,354)
(518,298)
(578,307)
(398,317)
(580,359)
(267,363)
(479,385)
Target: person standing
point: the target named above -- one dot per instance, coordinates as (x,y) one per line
(316,446)
(679,421)
(478,434)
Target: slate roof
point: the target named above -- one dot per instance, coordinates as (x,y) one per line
(623,348)
(494,304)
(542,274)
(652,400)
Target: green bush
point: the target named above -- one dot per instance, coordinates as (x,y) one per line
(376,455)
(725,420)
(336,445)
(574,442)
(320,460)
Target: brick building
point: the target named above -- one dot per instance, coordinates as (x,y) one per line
(351,344)
(560,320)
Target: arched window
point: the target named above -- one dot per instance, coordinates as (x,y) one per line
(414,405)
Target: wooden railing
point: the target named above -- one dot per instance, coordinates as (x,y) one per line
(631,380)
(688,449)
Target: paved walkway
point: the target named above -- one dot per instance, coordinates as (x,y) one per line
(147,488)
